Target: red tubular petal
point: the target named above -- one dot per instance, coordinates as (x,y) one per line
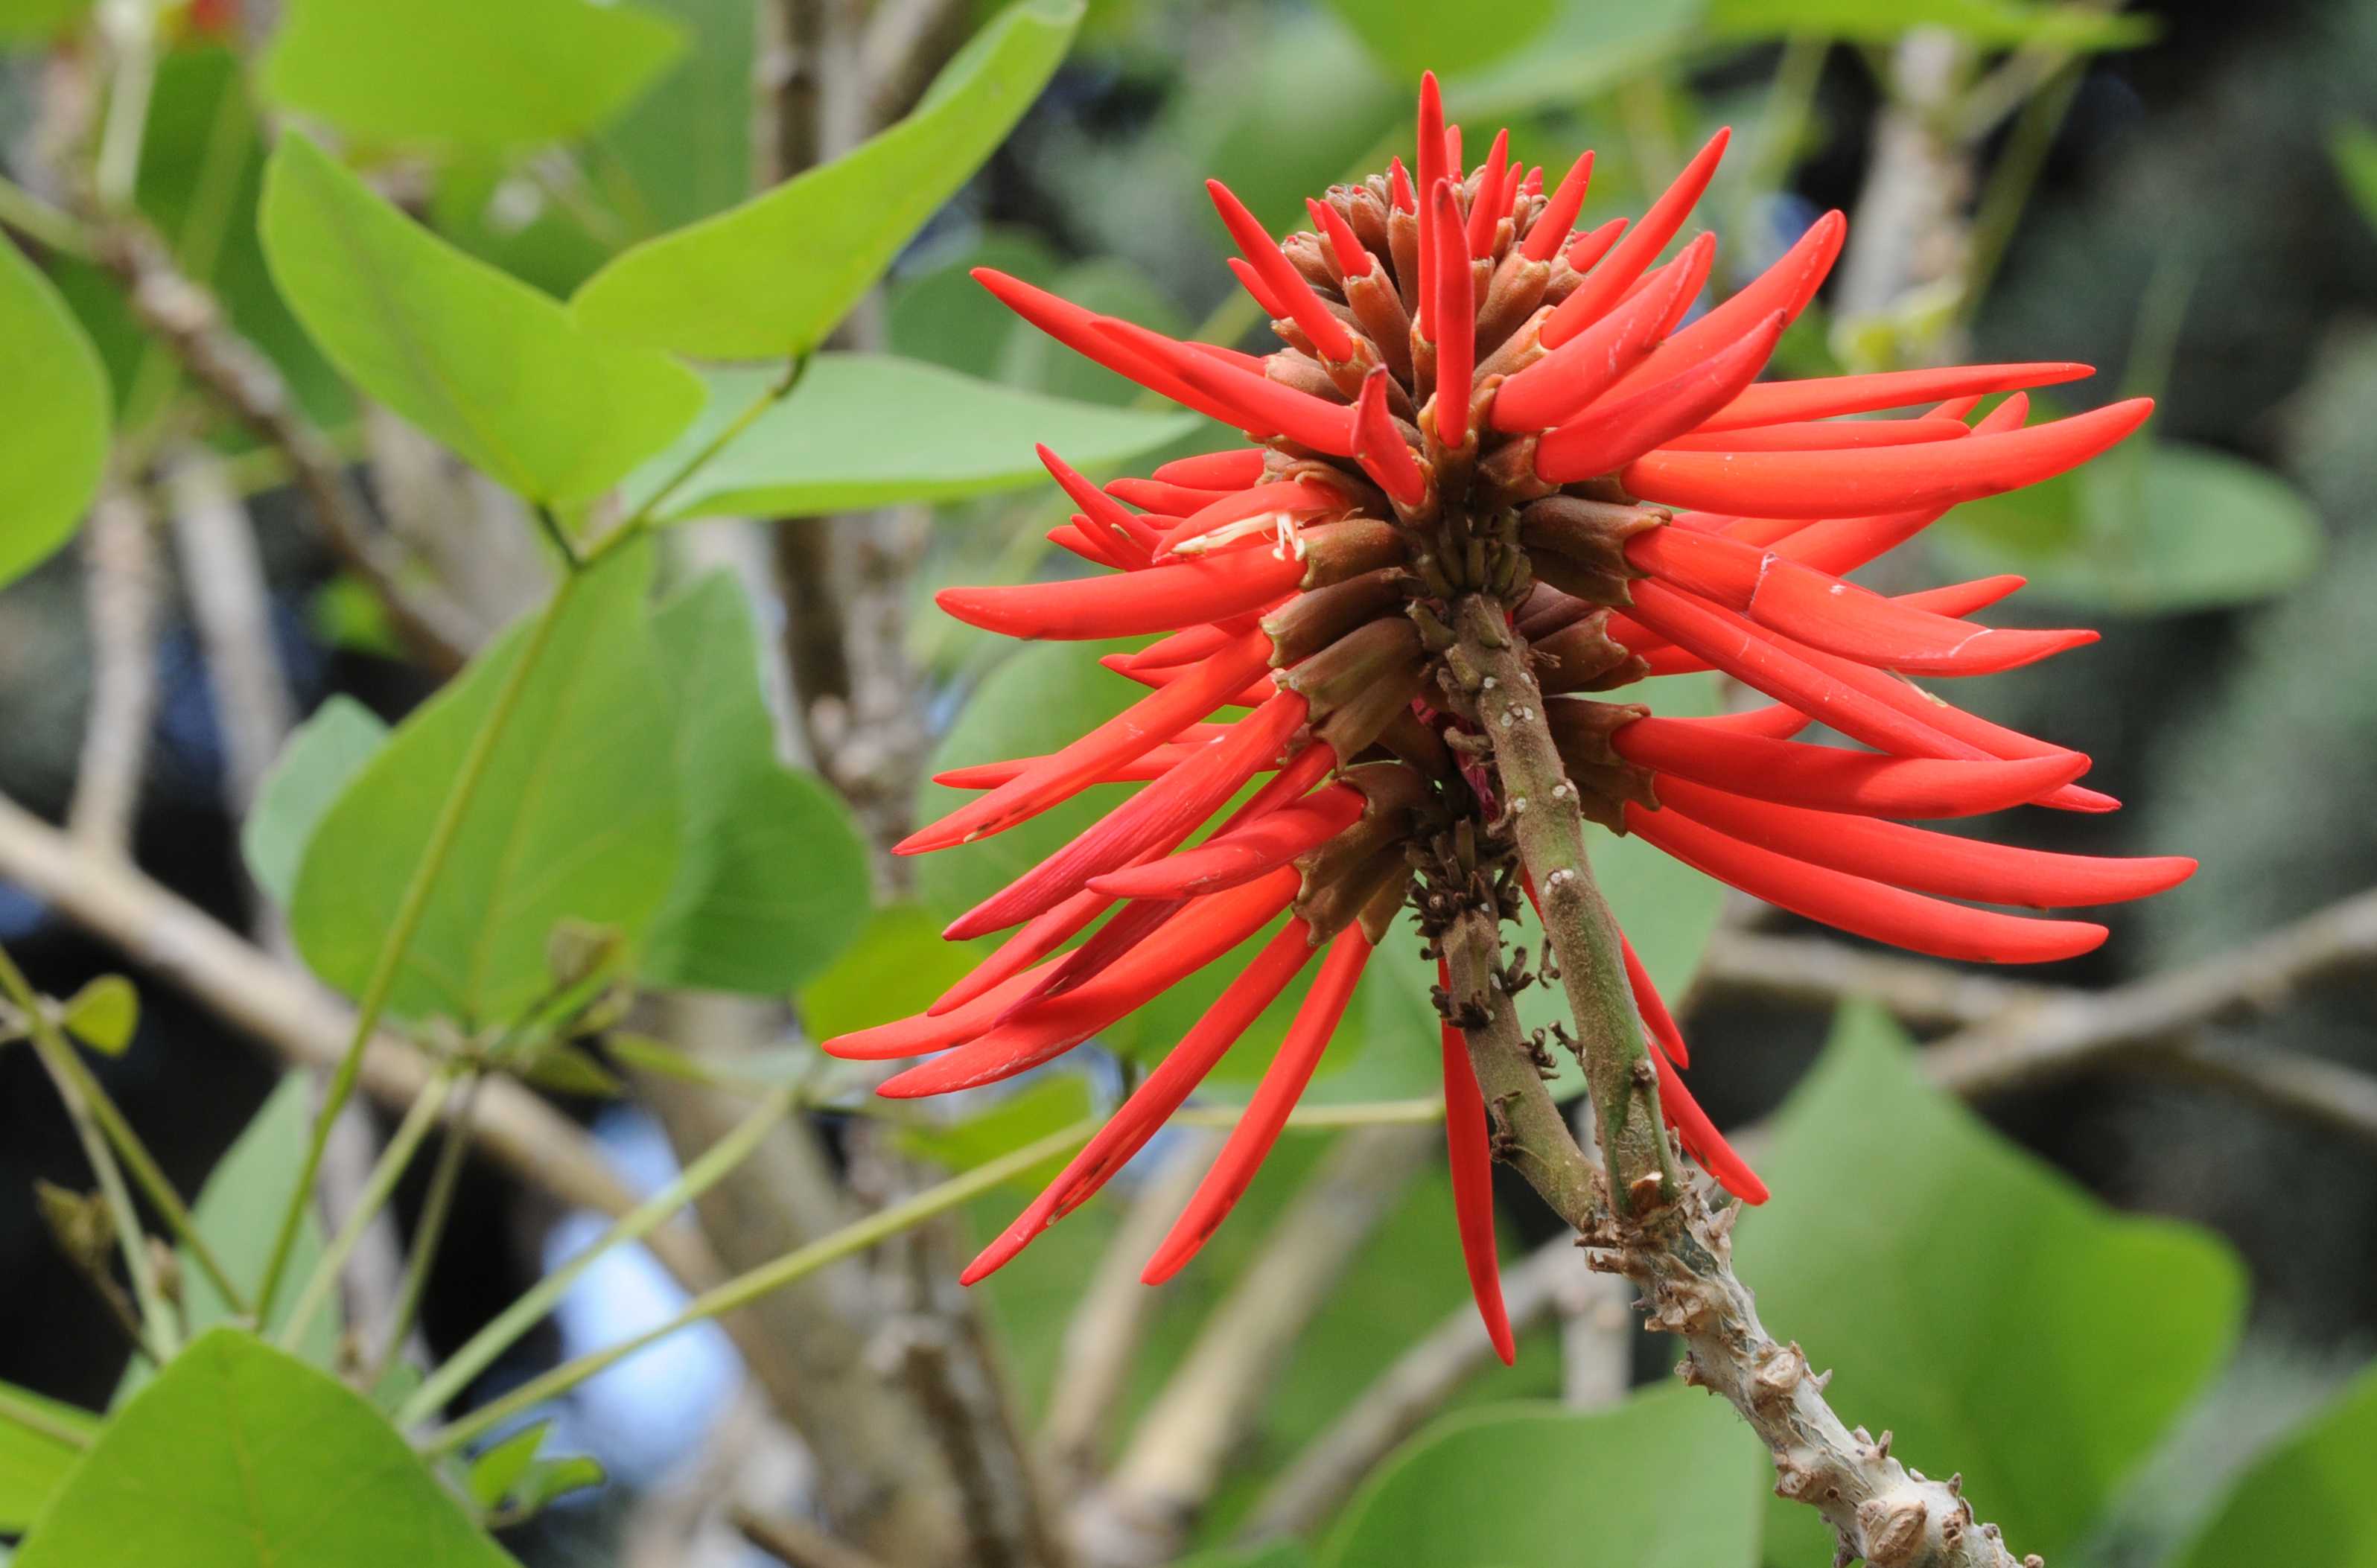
(1194,938)
(1184,647)
(1138,770)
(1632,256)
(1652,1006)
(1742,651)
(1078,329)
(1431,170)
(1923,862)
(1862,907)
(1822,435)
(1614,432)
(1969,734)
(1843,544)
(1773,722)
(1174,1079)
(1034,941)
(1456,317)
(1469,1151)
(1295,497)
(1151,821)
(1280,276)
(1823,397)
(1170,499)
(928,1031)
(1831,779)
(1825,612)
(1824,484)
(1345,248)
(1267,1112)
(1229,859)
(1257,401)
(1590,248)
(1131,733)
(1482,213)
(1963,598)
(1257,286)
(1379,447)
(1786,286)
(1216,470)
(1399,183)
(1163,599)
(1559,215)
(1076,540)
(1556,387)
(1701,1140)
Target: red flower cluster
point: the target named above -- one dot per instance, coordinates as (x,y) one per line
(1474,400)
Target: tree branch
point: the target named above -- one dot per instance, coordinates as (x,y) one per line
(120,591)
(192,326)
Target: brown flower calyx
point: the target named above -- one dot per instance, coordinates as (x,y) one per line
(1364,871)
(1604,781)
(1577,545)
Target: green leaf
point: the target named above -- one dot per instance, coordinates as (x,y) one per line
(2306,1500)
(2354,146)
(54,418)
(1110,286)
(238,1212)
(684,149)
(1278,1554)
(505,1465)
(32,1462)
(1589,47)
(575,817)
(898,966)
(1986,24)
(40,20)
(1971,1298)
(321,758)
(1411,36)
(1664,1481)
(771,277)
(484,363)
(103,1014)
(462,74)
(2171,529)
(771,879)
(869,430)
(238,1456)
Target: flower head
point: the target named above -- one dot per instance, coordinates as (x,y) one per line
(1475,402)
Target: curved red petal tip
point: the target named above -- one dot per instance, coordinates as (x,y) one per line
(1608,283)
(1558,216)
(1380,448)
(1280,278)
(1456,317)
(1483,214)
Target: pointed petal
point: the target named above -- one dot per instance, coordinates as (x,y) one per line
(1280,277)
(1216,470)
(1608,283)
(1165,598)
(1469,1151)
(1455,318)
(1829,778)
(1558,386)
(1786,286)
(1558,216)
(1823,397)
(1379,447)
(1229,859)
(1613,431)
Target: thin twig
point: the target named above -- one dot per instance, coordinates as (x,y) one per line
(430,1233)
(120,593)
(191,324)
(796,1544)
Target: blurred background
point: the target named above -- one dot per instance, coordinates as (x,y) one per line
(2151,1274)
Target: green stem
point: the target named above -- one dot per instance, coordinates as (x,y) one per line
(151,1180)
(117,170)
(2012,180)
(772,394)
(409,911)
(33,1419)
(436,1210)
(744,1289)
(384,1173)
(525,1314)
(160,1329)
(54,227)
(1544,807)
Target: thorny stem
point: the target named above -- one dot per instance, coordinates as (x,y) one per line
(1531,1135)
(744,1289)
(160,1334)
(1491,661)
(381,984)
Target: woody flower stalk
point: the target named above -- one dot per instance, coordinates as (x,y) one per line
(1494,474)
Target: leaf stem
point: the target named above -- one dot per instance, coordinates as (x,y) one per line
(436,1210)
(52,226)
(381,982)
(384,1173)
(530,1310)
(744,1289)
(151,1180)
(770,395)
(160,1327)
(33,1419)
